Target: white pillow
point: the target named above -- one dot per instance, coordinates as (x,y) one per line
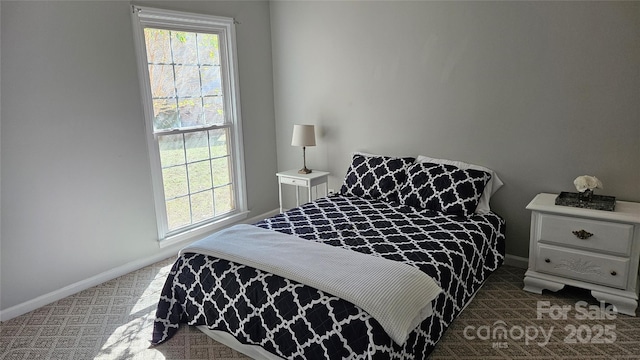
(492,186)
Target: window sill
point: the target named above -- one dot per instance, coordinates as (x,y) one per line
(198,232)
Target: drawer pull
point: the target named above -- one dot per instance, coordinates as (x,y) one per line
(547,260)
(614,273)
(582,234)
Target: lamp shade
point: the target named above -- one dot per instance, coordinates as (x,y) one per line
(303,135)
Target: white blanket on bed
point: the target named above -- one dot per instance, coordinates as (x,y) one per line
(397,295)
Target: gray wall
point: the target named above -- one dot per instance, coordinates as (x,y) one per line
(76,183)
(541,92)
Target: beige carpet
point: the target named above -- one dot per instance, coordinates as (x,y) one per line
(114,321)
(585,332)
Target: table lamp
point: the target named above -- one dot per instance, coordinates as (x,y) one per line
(303,135)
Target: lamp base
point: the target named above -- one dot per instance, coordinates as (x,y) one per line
(304,170)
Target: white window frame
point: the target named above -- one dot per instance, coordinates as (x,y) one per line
(225,27)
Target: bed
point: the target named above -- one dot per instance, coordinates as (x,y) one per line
(427,213)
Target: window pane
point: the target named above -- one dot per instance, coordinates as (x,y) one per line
(202,206)
(175,181)
(187,81)
(223,198)
(218,142)
(191,113)
(162,81)
(197,146)
(165,114)
(213,110)
(158,47)
(199,176)
(221,171)
(208,49)
(178,213)
(184,47)
(211,80)
(171,150)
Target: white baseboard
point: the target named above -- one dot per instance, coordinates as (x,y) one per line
(98,279)
(516,261)
(268,214)
(69,290)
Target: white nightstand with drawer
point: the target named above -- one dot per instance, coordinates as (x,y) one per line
(591,249)
(308,181)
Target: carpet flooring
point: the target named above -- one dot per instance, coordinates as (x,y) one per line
(114,321)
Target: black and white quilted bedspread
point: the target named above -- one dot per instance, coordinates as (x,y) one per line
(296,321)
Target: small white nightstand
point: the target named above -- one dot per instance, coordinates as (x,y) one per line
(309,181)
(591,249)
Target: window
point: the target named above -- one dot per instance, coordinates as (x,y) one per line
(190,94)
